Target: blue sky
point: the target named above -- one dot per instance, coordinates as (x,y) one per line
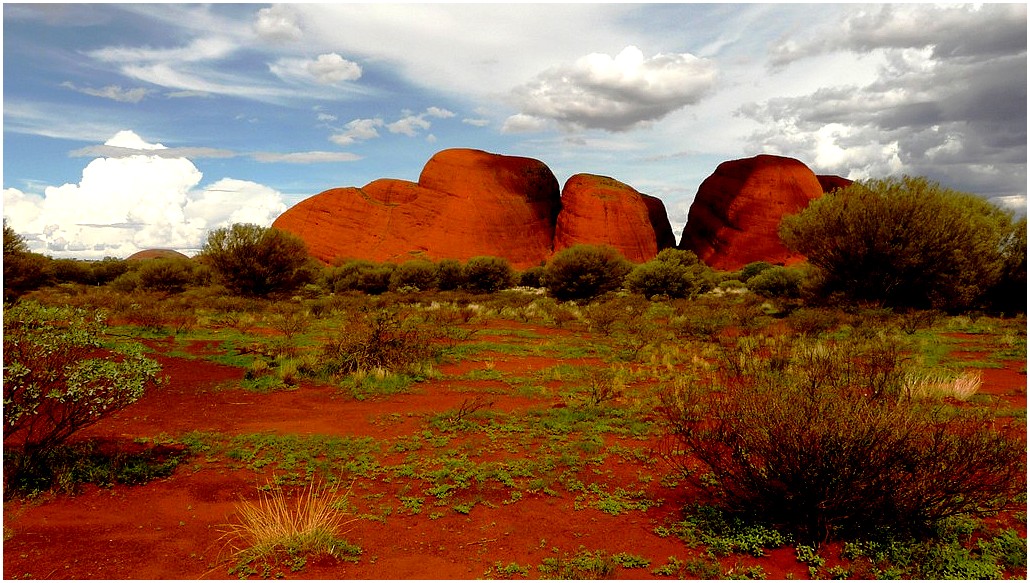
(128,126)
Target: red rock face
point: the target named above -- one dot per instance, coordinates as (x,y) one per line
(466,203)
(831,182)
(156,254)
(598,210)
(734,218)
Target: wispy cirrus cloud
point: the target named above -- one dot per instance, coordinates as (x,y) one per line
(112,92)
(314,157)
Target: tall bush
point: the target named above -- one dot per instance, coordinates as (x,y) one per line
(903,242)
(258,261)
(583,272)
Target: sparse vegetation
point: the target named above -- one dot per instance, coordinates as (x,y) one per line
(439,395)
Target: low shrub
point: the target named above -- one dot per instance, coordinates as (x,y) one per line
(485,275)
(171,274)
(778,282)
(275,529)
(532,277)
(673,273)
(583,272)
(418,274)
(61,377)
(381,340)
(449,275)
(803,442)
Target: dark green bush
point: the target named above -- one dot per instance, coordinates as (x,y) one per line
(1008,294)
(171,274)
(532,277)
(417,274)
(752,269)
(487,274)
(583,272)
(778,282)
(360,275)
(258,261)
(673,273)
(23,270)
(449,275)
(70,271)
(903,242)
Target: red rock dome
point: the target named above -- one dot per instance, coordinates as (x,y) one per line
(603,211)
(466,203)
(156,254)
(737,211)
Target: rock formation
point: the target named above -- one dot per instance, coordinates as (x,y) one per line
(469,202)
(466,203)
(156,254)
(736,213)
(599,210)
(830,182)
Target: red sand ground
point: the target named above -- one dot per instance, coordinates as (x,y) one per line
(169,528)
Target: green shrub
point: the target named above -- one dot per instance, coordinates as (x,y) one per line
(673,273)
(903,242)
(583,272)
(778,282)
(487,275)
(1008,294)
(417,274)
(752,269)
(60,377)
(70,271)
(258,261)
(23,270)
(799,439)
(449,275)
(171,274)
(532,277)
(361,275)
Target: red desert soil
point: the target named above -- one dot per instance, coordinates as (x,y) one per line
(169,528)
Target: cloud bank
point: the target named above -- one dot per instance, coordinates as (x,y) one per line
(140,201)
(949,101)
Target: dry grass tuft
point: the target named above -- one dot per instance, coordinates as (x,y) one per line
(308,523)
(939,385)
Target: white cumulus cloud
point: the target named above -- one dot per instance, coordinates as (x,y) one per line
(326,69)
(357,130)
(277,23)
(122,205)
(616,93)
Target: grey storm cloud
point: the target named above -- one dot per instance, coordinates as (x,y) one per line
(955,110)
